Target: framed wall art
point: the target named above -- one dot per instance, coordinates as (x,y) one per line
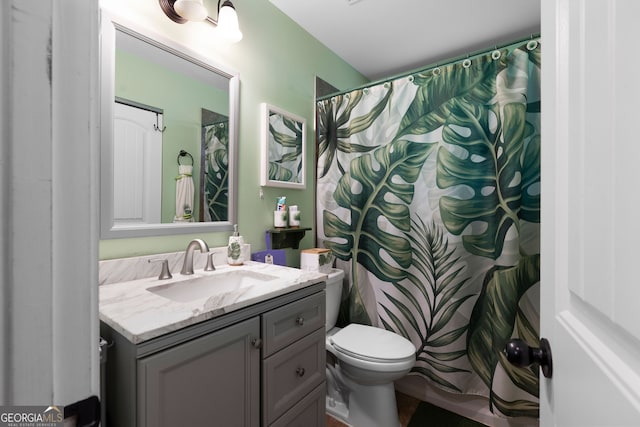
(283,148)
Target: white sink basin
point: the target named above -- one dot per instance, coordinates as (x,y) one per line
(211,285)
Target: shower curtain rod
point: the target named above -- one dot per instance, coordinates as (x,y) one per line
(428,67)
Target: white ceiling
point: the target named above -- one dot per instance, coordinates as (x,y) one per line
(383,38)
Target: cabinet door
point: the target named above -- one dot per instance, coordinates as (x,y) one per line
(212,380)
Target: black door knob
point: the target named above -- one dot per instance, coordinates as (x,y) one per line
(521,355)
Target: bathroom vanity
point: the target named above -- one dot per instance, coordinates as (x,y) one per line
(246,357)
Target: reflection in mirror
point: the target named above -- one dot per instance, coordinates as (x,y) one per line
(214,179)
(161,93)
(137,165)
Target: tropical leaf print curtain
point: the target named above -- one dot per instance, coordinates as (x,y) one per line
(216,164)
(429,196)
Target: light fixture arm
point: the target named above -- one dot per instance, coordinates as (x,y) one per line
(167,8)
(215,21)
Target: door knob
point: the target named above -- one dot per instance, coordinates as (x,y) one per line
(521,355)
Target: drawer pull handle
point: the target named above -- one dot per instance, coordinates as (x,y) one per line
(300,321)
(300,372)
(256,343)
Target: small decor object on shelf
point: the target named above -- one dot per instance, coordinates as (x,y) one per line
(280,218)
(294,216)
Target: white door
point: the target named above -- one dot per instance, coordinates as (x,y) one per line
(590,302)
(137,165)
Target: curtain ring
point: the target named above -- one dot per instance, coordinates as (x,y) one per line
(532,44)
(410,78)
(496,54)
(466,63)
(436,71)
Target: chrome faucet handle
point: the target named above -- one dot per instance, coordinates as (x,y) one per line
(165,273)
(210,265)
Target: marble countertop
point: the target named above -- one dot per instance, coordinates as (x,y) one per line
(140,315)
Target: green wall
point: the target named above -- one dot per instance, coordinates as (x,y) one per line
(278,62)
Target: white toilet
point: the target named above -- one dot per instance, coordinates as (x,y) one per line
(360,389)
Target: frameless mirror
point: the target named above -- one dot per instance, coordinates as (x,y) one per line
(168,137)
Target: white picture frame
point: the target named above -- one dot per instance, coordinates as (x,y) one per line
(283,148)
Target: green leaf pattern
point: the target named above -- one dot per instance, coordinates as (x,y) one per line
(429,196)
(216,186)
(285,149)
(367,192)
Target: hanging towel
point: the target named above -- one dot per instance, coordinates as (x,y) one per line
(184,194)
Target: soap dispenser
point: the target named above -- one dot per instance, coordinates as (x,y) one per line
(234,249)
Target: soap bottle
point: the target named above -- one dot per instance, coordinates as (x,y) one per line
(234,249)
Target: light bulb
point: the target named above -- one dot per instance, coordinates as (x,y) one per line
(228,23)
(193,10)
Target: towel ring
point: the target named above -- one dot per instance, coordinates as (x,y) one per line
(184,154)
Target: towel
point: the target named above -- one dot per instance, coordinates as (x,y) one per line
(184,194)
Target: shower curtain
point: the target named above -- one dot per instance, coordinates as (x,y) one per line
(428,194)
(216,166)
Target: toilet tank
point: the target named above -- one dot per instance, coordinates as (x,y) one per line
(334,295)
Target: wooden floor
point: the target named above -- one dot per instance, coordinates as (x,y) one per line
(406,407)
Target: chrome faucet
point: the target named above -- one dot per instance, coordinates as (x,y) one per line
(187,266)
(165,273)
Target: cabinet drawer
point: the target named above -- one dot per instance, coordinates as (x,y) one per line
(309,412)
(292,373)
(287,324)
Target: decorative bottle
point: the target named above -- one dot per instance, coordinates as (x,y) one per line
(234,249)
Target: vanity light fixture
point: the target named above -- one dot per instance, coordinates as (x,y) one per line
(227,22)
(191,10)
(182,11)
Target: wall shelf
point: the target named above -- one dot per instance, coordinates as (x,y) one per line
(287,237)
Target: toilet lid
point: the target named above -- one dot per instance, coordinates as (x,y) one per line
(371,343)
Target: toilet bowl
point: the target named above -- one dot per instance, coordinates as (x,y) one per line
(367,359)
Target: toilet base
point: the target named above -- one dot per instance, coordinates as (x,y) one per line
(371,406)
(337,410)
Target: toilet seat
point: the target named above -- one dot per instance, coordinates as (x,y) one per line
(372,348)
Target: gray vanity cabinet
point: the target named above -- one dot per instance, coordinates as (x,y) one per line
(220,372)
(263,365)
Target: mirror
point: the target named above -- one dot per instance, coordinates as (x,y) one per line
(168,137)
(283,148)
